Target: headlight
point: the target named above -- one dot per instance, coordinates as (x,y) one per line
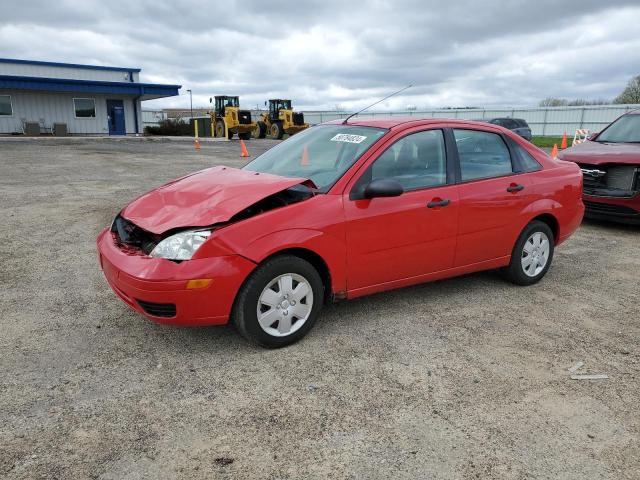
(180,246)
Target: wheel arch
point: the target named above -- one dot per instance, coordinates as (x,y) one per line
(552,222)
(315,260)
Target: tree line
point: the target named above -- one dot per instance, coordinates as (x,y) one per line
(630,94)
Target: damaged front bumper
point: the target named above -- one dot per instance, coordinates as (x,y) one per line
(157,287)
(601,206)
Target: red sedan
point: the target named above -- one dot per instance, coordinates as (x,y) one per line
(340,211)
(610,162)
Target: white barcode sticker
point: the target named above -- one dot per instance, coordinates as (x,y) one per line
(345,137)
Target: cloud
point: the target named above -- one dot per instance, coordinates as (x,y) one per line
(324,53)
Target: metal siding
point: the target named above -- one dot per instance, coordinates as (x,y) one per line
(49,108)
(73,73)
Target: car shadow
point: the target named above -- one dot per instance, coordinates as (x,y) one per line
(334,316)
(611,225)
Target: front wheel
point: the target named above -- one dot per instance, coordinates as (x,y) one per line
(532,254)
(279,302)
(276,130)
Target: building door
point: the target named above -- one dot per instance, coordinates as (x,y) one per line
(115,116)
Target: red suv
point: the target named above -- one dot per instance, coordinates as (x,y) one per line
(610,163)
(340,211)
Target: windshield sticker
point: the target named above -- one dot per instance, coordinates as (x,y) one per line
(345,137)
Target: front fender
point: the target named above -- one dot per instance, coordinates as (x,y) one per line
(329,247)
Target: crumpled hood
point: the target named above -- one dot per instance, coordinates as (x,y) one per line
(203,198)
(595,153)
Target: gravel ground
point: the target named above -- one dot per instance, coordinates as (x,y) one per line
(463,378)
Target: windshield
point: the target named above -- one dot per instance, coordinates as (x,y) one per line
(322,154)
(624,130)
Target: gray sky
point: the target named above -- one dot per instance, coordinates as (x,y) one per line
(327,53)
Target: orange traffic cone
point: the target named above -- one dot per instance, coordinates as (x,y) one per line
(554,151)
(563,145)
(197,144)
(304,161)
(243,149)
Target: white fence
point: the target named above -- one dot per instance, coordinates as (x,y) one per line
(542,120)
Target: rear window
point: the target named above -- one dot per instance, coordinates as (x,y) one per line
(482,154)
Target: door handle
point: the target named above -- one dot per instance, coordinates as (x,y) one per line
(514,188)
(438,203)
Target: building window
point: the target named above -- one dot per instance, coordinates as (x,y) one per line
(5,106)
(85,107)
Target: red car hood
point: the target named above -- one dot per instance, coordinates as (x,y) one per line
(203,198)
(594,153)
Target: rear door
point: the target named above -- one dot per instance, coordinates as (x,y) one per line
(492,195)
(410,235)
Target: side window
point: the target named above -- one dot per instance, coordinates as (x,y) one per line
(528,163)
(510,124)
(415,161)
(482,155)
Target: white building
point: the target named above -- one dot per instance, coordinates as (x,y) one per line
(81,99)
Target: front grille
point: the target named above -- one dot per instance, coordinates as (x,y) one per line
(597,207)
(132,239)
(244,117)
(298,118)
(166,310)
(614,177)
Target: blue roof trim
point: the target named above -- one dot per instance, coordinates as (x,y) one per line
(68,65)
(87,86)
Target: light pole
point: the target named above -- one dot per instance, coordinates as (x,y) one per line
(191,101)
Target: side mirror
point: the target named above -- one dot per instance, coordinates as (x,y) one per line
(265,103)
(383,188)
(210,100)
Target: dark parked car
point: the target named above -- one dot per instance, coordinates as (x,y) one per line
(516,125)
(610,163)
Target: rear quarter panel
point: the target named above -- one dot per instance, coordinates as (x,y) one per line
(559,191)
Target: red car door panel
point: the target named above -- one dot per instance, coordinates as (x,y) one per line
(400,237)
(489,217)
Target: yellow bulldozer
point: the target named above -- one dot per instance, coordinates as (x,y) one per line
(227,117)
(279,119)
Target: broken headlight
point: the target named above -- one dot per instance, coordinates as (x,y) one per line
(181,246)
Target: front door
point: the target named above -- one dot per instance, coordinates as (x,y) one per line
(115,116)
(398,238)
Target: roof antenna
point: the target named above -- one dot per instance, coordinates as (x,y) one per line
(382,100)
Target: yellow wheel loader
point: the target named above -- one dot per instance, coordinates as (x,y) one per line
(279,119)
(227,117)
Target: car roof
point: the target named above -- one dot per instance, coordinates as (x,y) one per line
(391,122)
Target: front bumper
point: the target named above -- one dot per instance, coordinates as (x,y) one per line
(156,287)
(624,210)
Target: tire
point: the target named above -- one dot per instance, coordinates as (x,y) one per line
(276,130)
(245,136)
(261,131)
(229,134)
(219,128)
(280,325)
(532,254)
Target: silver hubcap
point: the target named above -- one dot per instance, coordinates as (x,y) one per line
(535,254)
(285,305)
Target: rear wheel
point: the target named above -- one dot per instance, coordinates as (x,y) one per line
(276,130)
(279,303)
(532,254)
